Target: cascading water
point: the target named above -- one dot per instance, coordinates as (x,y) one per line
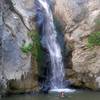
(45,23)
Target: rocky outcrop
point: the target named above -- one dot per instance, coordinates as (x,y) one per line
(16,71)
(79,19)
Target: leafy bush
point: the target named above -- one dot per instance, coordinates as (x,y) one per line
(26,48)
(94,39)
(29,48)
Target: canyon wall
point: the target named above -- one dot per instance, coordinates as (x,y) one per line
(80,18)
(17,70)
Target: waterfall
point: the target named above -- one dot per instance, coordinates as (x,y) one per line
(44,19)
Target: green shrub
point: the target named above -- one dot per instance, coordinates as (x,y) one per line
(94,39)
(27,48)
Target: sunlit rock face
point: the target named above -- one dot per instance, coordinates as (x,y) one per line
(15,17)
(78,18)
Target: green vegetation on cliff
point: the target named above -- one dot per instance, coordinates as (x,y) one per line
(34,47)
(37,51)
(26,48)
(94,39)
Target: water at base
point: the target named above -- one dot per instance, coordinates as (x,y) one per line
(79,95)
(66,90)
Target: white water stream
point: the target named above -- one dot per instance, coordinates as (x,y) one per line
(53,47)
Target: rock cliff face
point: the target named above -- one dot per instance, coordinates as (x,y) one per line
(16,70)
(79,19)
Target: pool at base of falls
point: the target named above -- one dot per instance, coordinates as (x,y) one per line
(66,90)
